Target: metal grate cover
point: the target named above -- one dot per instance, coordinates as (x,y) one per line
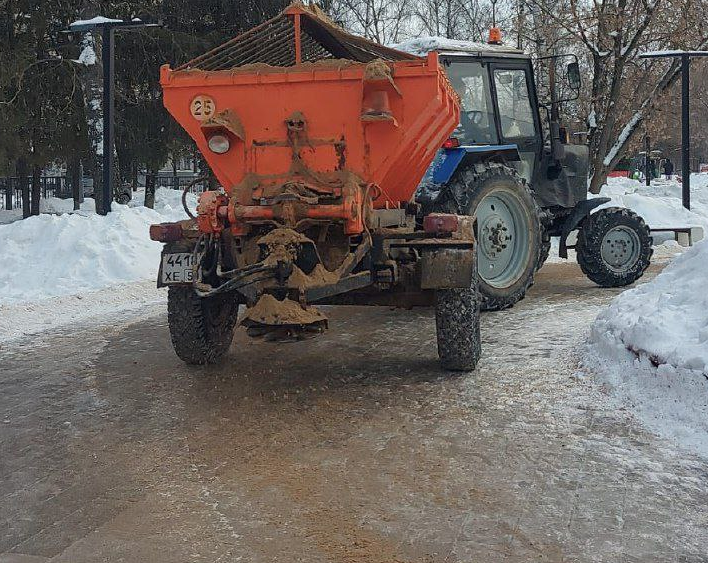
(277,43)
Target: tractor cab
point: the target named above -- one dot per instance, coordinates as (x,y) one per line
(500,107)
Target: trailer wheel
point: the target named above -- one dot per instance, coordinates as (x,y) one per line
(201,328)
(508,230)
(457,325)
(614,247)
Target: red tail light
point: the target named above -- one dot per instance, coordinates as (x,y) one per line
(166,232)
(451,143)
(440,223)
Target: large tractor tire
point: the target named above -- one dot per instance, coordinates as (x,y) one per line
(457,325)
(201,328)
(614,247)
(508,230)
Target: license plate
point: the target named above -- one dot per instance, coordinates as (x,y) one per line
(178,267)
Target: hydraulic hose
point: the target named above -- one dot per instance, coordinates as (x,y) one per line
(184,194)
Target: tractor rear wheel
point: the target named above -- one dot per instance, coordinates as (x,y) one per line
(201,328)
(457,325)
(614,247)
(508,230)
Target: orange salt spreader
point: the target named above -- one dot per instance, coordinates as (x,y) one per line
(275,108)
(319,139)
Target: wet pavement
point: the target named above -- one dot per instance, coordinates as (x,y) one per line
(353,447)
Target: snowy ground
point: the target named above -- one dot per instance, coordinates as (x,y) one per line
(63,266)
(651,344)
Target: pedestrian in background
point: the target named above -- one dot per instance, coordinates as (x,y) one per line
(668,168)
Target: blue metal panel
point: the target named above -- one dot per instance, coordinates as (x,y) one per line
(446,162)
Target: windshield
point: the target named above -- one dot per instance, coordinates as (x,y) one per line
(471,81)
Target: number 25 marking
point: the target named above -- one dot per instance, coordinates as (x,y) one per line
(202,108)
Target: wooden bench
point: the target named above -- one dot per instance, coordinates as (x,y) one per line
(685,236)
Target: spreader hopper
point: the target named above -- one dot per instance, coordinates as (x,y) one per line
(297,108)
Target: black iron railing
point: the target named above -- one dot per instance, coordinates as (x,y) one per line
(49,186)
(60,186)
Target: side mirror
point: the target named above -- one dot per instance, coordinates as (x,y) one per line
(573,73)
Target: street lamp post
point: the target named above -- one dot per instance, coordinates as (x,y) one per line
(107,28)
(686,57)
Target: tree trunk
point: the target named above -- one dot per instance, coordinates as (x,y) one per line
(77,189)
(605,156)
(22,172)
(150,188)
(134,176)
(36,189)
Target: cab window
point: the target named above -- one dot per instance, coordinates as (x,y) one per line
(471,82)
(515,114)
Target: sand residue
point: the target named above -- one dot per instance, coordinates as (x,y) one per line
(282,245)
(270,311)
(318,276)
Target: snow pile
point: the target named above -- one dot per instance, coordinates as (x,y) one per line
(651,345)
(48,205)
(52,255)
(667,318)
(660,204)
(421,46)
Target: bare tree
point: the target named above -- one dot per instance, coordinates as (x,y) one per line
(384,21)
(622,92)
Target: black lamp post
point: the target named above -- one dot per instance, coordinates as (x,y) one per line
(107,28)
(685,105)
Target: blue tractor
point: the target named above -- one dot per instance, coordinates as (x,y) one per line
(510,166)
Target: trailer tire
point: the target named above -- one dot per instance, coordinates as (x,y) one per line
(201,328)
(470,193)
(614,247)
(457,327)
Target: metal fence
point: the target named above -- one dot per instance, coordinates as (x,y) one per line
(60,186)
(180,182)
(49,186)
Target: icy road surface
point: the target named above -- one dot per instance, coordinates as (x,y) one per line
(353,447)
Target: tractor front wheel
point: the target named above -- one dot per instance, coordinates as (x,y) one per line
(201,328)
(614,247)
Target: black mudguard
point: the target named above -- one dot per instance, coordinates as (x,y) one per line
(581,210)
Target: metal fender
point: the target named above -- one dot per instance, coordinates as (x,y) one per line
(581,210)
(445,166)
